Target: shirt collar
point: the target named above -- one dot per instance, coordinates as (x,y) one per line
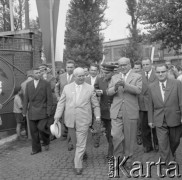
(165,82)
(126,75)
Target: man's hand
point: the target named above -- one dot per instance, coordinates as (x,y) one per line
(151,125)
(99,92)
(24,115)
(97,119)
(56,120)
(119,83)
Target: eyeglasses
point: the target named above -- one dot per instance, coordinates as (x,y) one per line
(160,72)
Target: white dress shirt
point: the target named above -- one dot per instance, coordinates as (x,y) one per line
(148,74)
(69,77)
(93,80)
(36,83)
(162,91)
(78,90)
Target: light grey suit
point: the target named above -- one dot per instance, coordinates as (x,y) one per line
(125,111)
(78,115)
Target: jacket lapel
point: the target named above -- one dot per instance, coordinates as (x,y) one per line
(152,77)
(168,89)
(36,90)
(130,77)
(158,91)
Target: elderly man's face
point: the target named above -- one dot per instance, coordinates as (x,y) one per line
(80,77)
(124,65)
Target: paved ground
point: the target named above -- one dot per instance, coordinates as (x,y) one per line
(57,163)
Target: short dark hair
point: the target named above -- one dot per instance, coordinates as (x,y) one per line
(138,63)
(94,65)
(160,65)
(147,59)
(70,62)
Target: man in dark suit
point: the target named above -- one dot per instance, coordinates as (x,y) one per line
(165,112)
(101,85)
(38,103)
(64,79)
(149,137)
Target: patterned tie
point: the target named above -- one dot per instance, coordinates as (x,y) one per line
(163,88)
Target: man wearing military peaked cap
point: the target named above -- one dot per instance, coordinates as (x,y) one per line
(108,67)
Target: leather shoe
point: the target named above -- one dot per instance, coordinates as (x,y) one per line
(35,152)
(147,149)
(78,171)
(70,147)
(85,156)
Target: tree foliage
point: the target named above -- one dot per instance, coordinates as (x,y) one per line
(83,38)
(163,21)
(133,50)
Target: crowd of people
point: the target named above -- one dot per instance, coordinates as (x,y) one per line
(127,104)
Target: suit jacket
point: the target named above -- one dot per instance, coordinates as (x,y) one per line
(105,100)
(61,83)
(81,111)
(143,98)
(88,80)
(170,108)
(38,101)
(127,96)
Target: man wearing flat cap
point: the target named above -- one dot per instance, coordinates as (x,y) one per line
(101,85)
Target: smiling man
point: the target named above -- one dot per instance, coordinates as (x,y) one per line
(165,112)
(76,102)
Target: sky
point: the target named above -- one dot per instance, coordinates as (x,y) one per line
(116,13)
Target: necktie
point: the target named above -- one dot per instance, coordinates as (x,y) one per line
(147,76)
(163,88)
(69,78)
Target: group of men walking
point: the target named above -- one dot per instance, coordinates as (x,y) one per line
(122,102)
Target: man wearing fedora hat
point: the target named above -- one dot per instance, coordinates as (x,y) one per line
(77,101)
(101,85)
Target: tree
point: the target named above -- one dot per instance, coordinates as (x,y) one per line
(83,38)
(133,50)
(18,13)
(163,21)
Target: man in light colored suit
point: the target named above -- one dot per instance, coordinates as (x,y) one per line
(148,76)
(124,111)
(65,79)
(77,101)
(165,112)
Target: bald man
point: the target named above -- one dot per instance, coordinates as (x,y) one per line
(124,87)
(77,101)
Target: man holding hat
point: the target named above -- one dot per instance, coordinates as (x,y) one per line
(101,85)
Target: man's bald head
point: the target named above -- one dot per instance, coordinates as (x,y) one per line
(124,65)
(79,75)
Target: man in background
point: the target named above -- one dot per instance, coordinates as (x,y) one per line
(149,137)
(63,80)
